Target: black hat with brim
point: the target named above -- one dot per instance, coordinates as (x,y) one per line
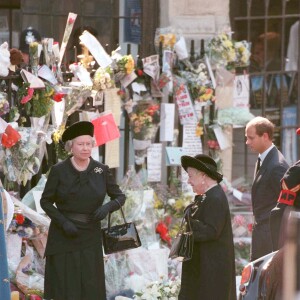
(78,129)
(203,163)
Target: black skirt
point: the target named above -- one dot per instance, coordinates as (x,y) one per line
(77,275)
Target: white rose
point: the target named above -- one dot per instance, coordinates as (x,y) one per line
(171,201)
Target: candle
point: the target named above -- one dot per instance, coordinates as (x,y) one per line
(15,295)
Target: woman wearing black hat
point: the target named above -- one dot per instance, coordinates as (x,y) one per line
(210,274)
(73,199)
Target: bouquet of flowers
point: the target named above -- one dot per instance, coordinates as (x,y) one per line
(20,162)
(37,102)
(102,79)
(199,83)
(34,57)
(166,37)
(144,120)
(61,153)
(124,65)
(163,290)
(242,50)
(222,50)
(4,104)
(74,98)
(23,226)
(170,210)
(202,94)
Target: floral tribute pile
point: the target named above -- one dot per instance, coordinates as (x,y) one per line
(46,98)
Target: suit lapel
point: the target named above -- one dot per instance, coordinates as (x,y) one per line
(263,169)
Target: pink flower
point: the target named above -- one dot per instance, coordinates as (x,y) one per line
(239,220)
(28,97)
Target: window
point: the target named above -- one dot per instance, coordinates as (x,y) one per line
(272,27)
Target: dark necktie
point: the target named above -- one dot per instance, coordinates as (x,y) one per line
(257,167)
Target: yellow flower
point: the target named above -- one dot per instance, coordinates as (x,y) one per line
(57,134)
(199,130)
(129,64)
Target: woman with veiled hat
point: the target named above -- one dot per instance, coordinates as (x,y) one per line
(73,199)
(210,274)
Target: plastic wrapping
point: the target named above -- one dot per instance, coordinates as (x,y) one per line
(28,199)
(130,271)
(234,116)
(27,279)
(21,161)
(27,269)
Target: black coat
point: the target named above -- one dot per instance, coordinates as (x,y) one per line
(210,274)
(76,192)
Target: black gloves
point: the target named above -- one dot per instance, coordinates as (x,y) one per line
(70,229)
(101,212)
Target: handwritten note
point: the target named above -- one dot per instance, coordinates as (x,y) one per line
(154,157)
(191,146)
(186,110)
(112,153)
(191,143)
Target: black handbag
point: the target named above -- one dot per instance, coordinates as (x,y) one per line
(120,237)
(182,245)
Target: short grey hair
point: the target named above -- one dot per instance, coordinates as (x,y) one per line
(69,144)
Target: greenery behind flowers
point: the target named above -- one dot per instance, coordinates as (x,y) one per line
(41,102)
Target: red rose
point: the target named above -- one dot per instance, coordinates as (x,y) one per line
(20,218)
(163,231)
(140,72)
(58,97)
(250,227)
(120,92)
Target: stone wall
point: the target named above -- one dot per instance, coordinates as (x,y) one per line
(195,19)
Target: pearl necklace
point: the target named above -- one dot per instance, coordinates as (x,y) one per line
(79,168)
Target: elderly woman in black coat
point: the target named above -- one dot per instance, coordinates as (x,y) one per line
(73,199)
(210,274)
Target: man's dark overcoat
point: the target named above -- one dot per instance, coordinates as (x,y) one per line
(265,191)
(210,274)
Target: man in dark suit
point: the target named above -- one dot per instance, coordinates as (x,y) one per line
(269,170)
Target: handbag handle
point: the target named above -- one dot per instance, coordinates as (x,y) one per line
(188,221)
(108,225)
